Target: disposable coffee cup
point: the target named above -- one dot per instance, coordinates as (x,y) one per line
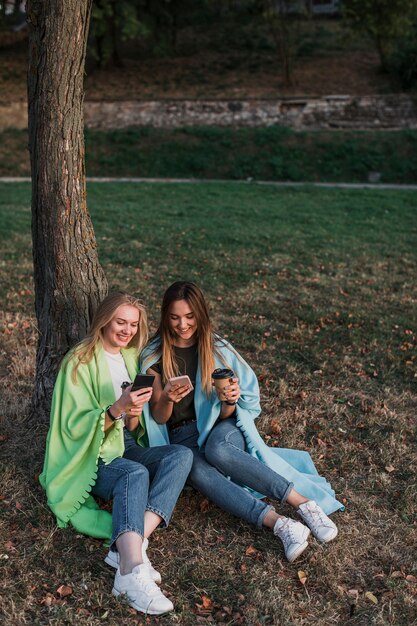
(222,377)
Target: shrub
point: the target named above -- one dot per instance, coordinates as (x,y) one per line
(403,61)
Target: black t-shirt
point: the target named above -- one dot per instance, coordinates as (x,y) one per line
(187,361)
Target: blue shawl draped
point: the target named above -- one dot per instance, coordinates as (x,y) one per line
(294,465)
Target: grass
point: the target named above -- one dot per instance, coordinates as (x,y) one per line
(317,289)
(275,153)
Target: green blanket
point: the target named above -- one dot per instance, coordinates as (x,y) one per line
(76,440)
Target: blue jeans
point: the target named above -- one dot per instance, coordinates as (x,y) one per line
(144,479)
(224,456)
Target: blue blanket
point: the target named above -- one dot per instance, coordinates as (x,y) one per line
(294,465)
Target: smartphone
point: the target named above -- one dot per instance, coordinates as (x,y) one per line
(181,380)
(142,380)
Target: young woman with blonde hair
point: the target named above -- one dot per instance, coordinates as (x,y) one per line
(228,450)
(98,446)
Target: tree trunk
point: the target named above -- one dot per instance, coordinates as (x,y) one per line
(69,281)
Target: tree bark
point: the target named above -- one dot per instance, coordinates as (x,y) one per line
(69,281)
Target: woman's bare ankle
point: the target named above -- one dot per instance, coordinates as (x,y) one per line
(271,519)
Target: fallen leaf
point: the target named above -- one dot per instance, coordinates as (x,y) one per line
(390,468)
(411,578)
(275,427)
(47,600)
(207,602)
(302,577)
(370,596)
(243,567)
(250,551)
(9,545)
(353,594)
(82,611)
(204,505)
(64,590)
(397,574)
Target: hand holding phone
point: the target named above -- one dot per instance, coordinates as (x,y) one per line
(181,381)
(142,381)
(178,387)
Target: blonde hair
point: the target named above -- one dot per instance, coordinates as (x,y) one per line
(105,312)
(206,338)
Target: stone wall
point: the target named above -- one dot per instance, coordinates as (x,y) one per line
(331,112)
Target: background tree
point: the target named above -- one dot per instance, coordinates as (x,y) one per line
(403,60)
(113,23)
(152,24)
(284,18)
(384,21)
(69,281)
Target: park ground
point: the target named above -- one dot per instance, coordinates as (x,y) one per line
(275,153)
(231,57)
(316,288)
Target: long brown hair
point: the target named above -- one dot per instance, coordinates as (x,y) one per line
(206,338)
(105,312)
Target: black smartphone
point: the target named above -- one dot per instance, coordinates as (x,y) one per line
(142,380)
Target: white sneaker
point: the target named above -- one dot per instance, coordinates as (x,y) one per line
(113,559)
(293,535)
(141,592)
(321,526)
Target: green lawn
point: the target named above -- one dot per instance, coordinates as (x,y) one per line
(317,289)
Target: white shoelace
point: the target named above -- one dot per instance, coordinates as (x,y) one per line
(287,532)
(315,516)
(147,584)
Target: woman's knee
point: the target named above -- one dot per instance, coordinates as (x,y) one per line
(182,454)
(222,447)
(129,478)
(134,472)
(201,473)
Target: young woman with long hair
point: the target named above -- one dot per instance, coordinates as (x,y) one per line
(97,445)
(227,448)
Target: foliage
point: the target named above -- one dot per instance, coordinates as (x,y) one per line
(273,153)
(113,21)
(385,21)
(403,60)
(117,21)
